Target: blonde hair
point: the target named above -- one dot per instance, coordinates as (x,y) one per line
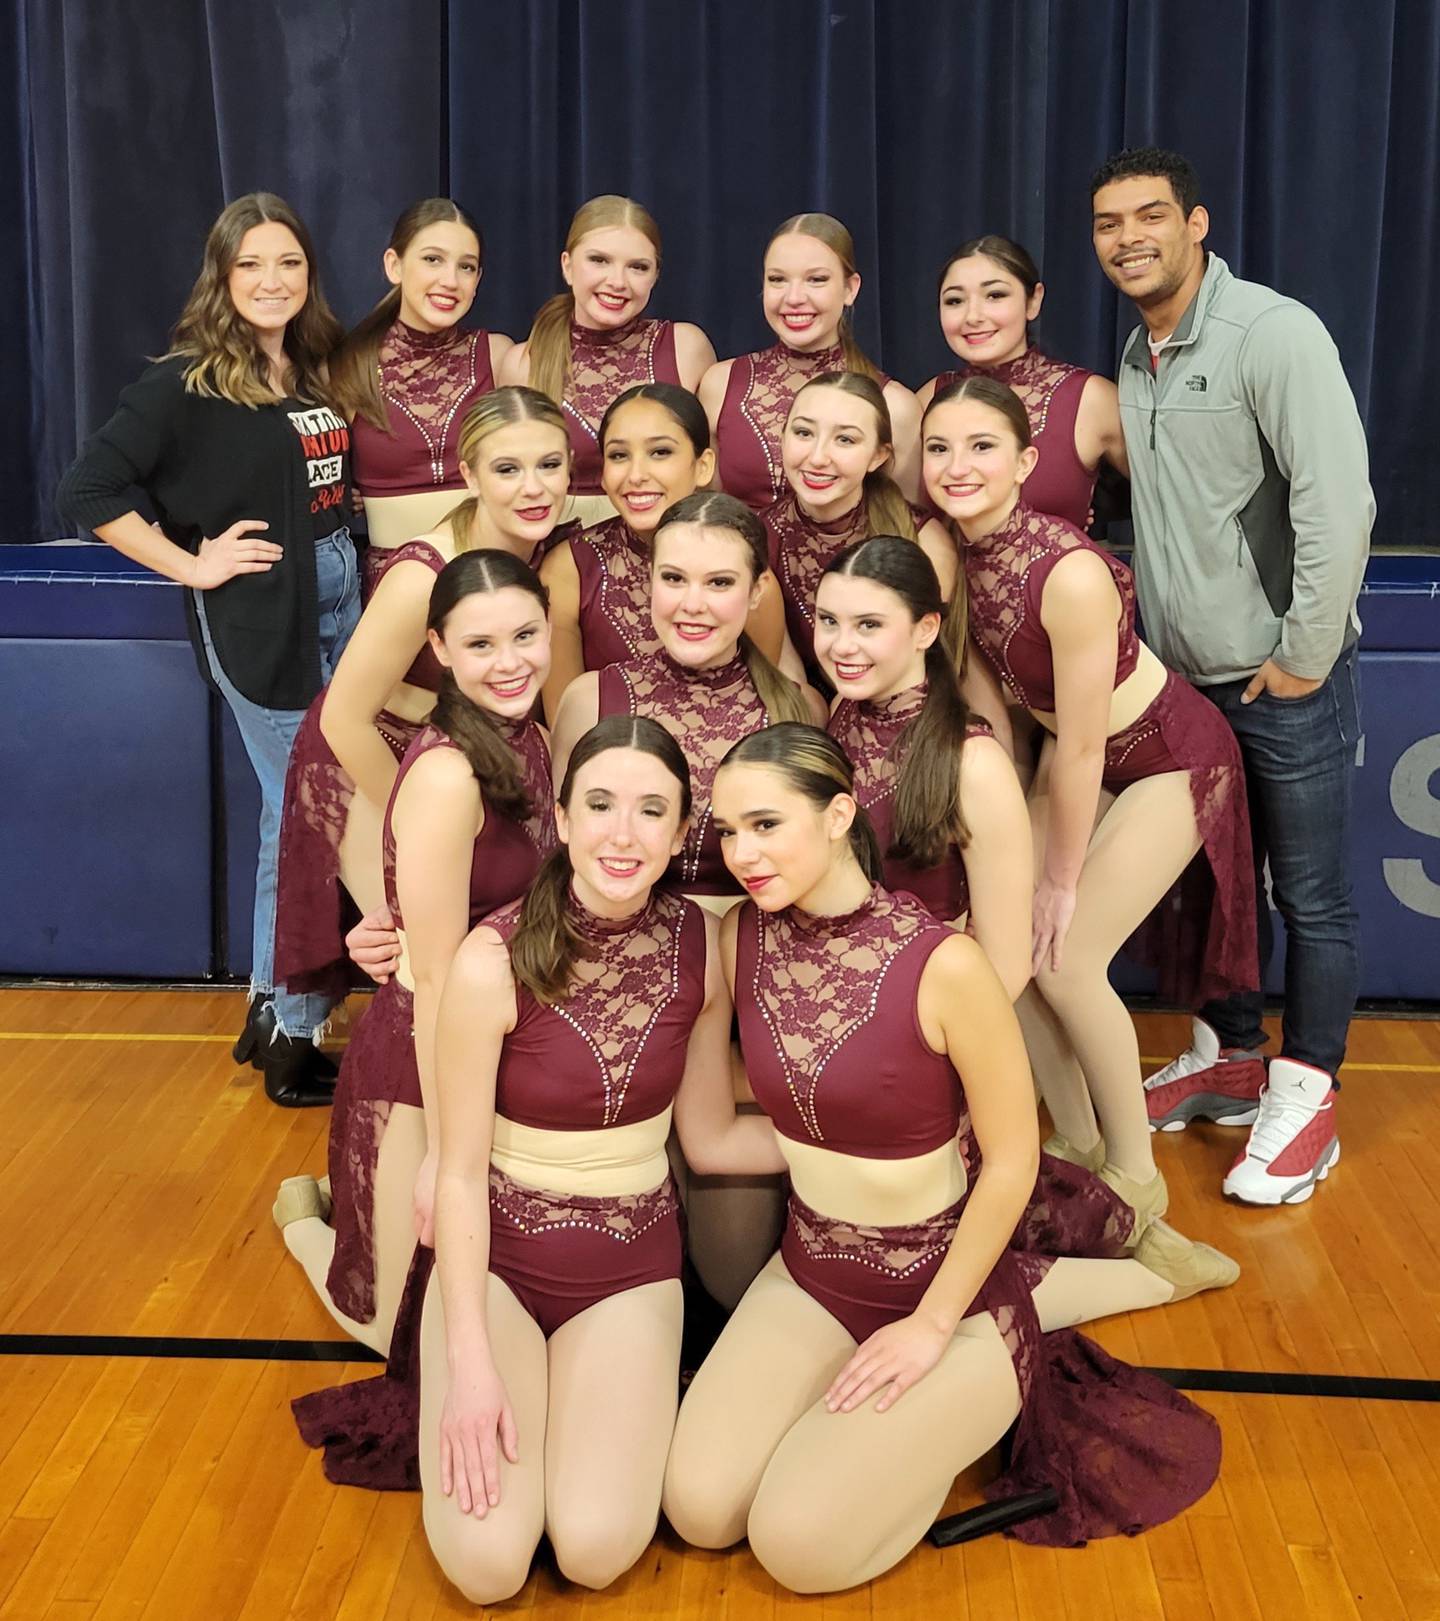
(712,509)
(887,512)
(549,341)
(825,228)
(226,360)
(500,408)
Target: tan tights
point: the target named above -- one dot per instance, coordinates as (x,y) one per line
(312,1241)
(1082,1041)
(829,1500)
(594,1413)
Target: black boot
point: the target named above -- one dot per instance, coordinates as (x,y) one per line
(297,1074)
(259,1023)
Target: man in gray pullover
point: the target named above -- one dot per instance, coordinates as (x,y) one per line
(1252,507)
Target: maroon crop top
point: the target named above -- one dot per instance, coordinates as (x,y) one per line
(613,1050)
(507,853)
(830,1031)
(758,395)
(802,549)
(602,366)
(426,670)
(1050,391)
(872,735)
(707,712)
(428,380)
(614,568)
(1005,575)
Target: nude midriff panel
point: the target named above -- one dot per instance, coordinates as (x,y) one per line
(874,1192)
(1130,699)
(611,1161)
(394,519)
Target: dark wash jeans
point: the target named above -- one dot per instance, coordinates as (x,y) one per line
(1299,754)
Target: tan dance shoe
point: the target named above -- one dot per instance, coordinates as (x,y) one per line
(1089,1159)
(299,1198)
(1149,1200)
(1187,1266)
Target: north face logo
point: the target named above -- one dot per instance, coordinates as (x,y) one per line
(1195,382)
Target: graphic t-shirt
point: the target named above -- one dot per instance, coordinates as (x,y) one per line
(325,445)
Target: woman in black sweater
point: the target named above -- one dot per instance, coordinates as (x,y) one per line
(232,440)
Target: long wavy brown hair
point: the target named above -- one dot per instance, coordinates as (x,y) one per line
(355,367)
(226,360)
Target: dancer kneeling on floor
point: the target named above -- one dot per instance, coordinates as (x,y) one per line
(1138,776)
(466,828)
(897,1336)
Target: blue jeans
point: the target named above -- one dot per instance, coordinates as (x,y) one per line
(1299,753)
(268,735)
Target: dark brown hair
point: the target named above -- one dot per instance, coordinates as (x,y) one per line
(355,366)
(226,360)
(710,509)
(687,411)
(814,765)
(928,752)
(1005,251)
(887,512)
(466,724)
(827,229)
(546,944)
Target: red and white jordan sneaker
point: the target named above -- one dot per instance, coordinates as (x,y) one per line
(1209,1082)
(1293,1143)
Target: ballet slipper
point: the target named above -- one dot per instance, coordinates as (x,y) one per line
(1149,1200)
(1186,1266)
(1089,1159)
(298,1199)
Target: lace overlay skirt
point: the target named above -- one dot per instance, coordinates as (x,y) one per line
(309,905)
(377,1072)
(1201,936)
(1123,1449)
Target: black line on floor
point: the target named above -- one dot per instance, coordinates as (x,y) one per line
(1227,1381)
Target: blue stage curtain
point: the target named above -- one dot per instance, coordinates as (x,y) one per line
(1315,128)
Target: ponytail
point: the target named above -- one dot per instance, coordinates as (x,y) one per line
(781,697)
(856,360)
(887,512)
(491,758)
(548,346)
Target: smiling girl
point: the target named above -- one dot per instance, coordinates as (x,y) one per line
(407,374)
(466,827)
(838,450)
(592,342)
(707,684)
(990,292)
(810,282)
(655,447)
(514,460)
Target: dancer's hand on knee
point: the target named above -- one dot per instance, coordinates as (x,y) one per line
(424,1199)
(477,1412)
(1051,917)
(890,1361)
(374,945)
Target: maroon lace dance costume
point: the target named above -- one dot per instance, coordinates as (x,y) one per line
(1050,391)
(309,906)
(611,1053)
(707,712)
(758,395)
(602,366)
(1204,947)
(613,563)
(874,738)
(379,1069)
(801,549)
(428,380)
(834,1051)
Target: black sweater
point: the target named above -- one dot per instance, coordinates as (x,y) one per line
(204,464)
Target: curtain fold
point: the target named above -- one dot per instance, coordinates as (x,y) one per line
(1315,129)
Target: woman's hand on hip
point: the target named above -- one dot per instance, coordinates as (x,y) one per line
(239,550)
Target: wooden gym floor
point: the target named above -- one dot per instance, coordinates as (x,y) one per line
(153,1330)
